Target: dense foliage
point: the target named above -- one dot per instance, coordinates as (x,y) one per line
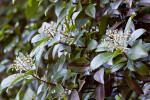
(75,49)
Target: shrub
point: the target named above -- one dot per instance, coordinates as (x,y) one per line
(87,49)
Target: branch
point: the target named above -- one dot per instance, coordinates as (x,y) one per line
(43,80)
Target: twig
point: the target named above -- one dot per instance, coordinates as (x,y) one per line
(43,80)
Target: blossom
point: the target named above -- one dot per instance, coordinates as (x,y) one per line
(48,29)
(23,63)
(116,40)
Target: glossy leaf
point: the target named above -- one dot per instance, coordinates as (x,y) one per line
(103,24)
(136,34)
(128,25)
(130,65)
(90,10)
(81,20)
(137,52)
(92,44)
(116,67)
(141,68)
(100,59)
(7,81)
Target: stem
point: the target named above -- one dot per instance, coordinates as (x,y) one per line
(43,80)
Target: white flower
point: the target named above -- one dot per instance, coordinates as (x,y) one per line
(22,64)
(116,40)
(48,29)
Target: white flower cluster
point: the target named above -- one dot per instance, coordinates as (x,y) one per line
(48,29)
(23,64)
(116,40)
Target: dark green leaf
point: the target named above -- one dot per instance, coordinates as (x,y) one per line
(141,68)
(103,24)
(81,20)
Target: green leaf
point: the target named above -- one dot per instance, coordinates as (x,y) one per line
(59,89)
(58,7)
(18,95)
(116,67)
(128,25)
(15,81)
(90,10)
(81,19)
(137,52)
(30,11)
(102,47)
(130,65)
(104,24)
(60,63)
(63,73)
(29,3)
(117,52)
(62,15)
(79,7)
(30,72)
(38,37)
(78,36)
(7,81)
(70,12)
(55,49)
(48,8)
(136,34)
(141,68)
(92,44)
(100,59)
(39,43)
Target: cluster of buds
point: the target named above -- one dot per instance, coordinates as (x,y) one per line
(48,29)
(66,92)
(23,64)
(116,40)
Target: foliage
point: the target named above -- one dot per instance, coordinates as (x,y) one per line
(77,49)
